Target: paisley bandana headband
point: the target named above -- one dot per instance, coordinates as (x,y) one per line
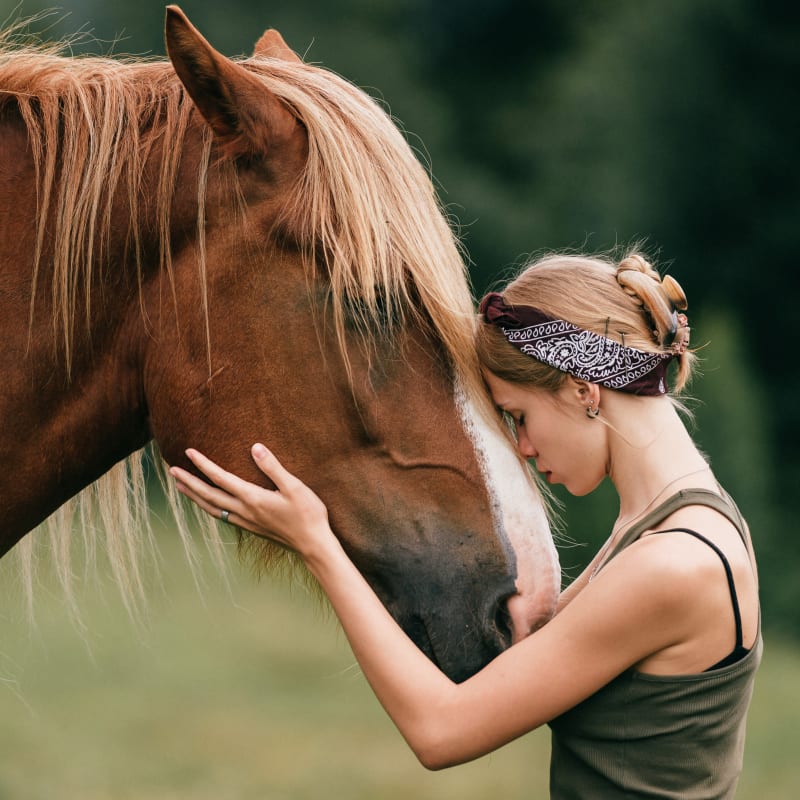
(581,353)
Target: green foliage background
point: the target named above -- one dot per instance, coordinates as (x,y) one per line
(589,124)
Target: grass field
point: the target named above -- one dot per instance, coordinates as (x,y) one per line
(252,693)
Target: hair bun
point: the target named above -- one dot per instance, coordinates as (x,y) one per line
(674,292)
(636,262)
(660,298)
(638,279)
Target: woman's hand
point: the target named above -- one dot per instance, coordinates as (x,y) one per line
(291,515)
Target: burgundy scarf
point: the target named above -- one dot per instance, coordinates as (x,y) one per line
(578,352)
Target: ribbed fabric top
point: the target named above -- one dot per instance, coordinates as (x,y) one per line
(656,736)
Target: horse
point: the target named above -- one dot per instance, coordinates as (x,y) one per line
(207,252)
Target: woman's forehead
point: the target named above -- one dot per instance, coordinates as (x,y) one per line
(505,393)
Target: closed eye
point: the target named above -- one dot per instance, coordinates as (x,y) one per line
(512,421)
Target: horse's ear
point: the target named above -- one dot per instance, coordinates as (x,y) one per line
(272,45)
(236,104)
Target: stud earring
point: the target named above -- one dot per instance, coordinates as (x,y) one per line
(592,413)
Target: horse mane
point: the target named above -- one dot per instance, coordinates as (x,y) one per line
(364,201)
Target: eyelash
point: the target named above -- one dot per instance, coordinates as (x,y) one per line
(512,421)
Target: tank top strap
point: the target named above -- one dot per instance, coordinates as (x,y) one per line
(720,502)
(739,649)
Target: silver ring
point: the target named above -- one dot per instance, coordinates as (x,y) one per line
(223,515)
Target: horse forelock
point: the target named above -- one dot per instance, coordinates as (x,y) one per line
(367,204)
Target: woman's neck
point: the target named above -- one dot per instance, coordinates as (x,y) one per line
(651,455)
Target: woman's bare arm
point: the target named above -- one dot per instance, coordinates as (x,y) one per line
(595,637)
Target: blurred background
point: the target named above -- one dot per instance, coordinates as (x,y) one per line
(546,125)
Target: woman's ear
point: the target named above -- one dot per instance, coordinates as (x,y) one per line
(586,394)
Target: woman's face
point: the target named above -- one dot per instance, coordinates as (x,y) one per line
(554,431)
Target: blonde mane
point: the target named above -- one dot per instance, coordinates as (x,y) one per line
(364,200)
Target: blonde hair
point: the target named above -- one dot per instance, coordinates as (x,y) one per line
(627,301)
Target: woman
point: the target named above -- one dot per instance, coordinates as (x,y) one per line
(646,671)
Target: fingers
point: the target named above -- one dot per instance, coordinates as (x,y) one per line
(214,501)
(214,509)
(243,500)
(267,462)
(292,515)
(225,480)
(209,498)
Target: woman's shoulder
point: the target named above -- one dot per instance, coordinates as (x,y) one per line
(663,567)
(682,553)
(690,573)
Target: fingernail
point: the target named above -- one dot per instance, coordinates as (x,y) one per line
(259,451)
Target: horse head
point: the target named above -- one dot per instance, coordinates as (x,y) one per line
(348,355)
(276,268)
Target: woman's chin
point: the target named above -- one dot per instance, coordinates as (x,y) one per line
(580,489)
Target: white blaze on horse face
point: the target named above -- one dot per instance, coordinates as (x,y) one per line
(520,520)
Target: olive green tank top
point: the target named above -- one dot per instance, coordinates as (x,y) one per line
(657,736)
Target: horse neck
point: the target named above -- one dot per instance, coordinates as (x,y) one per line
(75,401)
(69,426)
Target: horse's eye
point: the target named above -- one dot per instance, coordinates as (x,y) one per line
(375,318)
